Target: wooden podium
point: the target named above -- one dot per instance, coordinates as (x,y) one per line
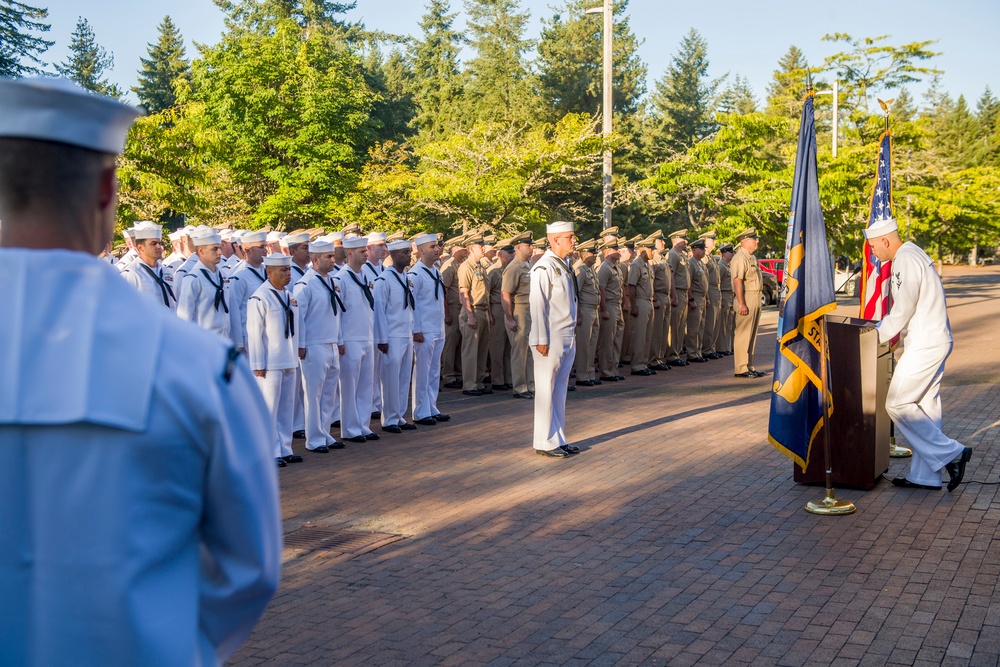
(860,370)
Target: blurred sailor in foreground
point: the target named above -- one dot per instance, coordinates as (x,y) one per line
(141,522)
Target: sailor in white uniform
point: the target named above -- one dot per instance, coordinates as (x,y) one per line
(178,249)
(185,267)
(553,338)
(144,511)
(320,310)
(146,273)
(204,296)
(130,254)
(373,267)
(914,399)
(357,373)
(273,348)
(394,306)
(428,330)
(250,276)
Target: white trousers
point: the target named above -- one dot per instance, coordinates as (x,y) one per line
(278,388)
(357,379)
(394,375)
(320,374)
(376,373)
(427,375)
(298,414)
(551,381)
(914,404)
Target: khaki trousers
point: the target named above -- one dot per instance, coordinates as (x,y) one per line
(475,349)
(587,332)
(661,330)
(746,334)
(642,333)
(521,371)
(499,348)
(713,313)
(452,339)
(695,323)
(724,339)
(626,344)
(609,341)
(678,326)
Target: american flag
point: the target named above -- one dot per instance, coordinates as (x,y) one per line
(876,274)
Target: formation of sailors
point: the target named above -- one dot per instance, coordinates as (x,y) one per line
(344,328)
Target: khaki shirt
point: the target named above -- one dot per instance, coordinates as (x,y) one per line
(725,277)
(679,268)
(610,279)
(588,292)
(494,283)
(517,281)
(744,266)
(661,276)
(472,277)
(641,277)
(712,273)
(449,278)
(699,276)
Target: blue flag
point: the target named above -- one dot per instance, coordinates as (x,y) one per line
(806,295)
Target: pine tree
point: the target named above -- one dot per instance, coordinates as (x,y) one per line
(788,85)
(682,98)
(88,62)
(988,116)
(390,79)
(17,43)
(571,67)
(737,98)
(498,83)
(437,80)
(162,70)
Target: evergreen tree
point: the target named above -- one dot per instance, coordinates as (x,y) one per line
(161,71)
(571,66)
(904,109)
(682,98)
(88,62)
(988,116)
(788,85)
(17,43)
(437,81)
(390,81)
(261,16)
(738,98)
(498,83)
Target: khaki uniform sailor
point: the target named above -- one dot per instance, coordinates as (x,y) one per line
(724,339)
(748,282)
(713,304)
(696,303)
(450,373)
(680,274)
(662,297)
(500,373)
(640,291)
(589,307)
(474,318)
(515,292)
(612,328)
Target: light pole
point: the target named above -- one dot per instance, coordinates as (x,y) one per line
(836,125)
(606,109)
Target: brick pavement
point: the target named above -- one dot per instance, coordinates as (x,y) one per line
(677,537)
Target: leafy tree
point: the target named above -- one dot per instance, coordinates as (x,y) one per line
(437,80)
(160,72)
(17,43)
(499,85)
(88,62)
(570,61)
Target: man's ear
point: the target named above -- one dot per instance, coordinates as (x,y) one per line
(107,188)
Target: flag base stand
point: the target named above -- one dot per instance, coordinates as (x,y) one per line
(830,506)
(898,452)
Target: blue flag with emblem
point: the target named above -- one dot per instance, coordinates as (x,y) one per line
(806,295)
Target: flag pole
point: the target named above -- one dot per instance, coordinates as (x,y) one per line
(829,505)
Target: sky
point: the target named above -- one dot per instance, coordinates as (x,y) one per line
(745,37)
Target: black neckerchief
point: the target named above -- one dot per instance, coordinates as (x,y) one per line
(296,267)
(259,277)
(407,294)
(220,297)
(164,287)
(364,287)
(289,315)
(334,297)
(436,277)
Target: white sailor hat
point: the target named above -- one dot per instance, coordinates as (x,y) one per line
(277,259)
(176,236)
(559,226)
(253,237)
(129,232)
(376,237)
(237,236)
(353,242)
(335,236)
(881,227)
(226,234)
(293,239)
(144,229)
(425,238)
(402,244)
(320,246)
(275,236)
(58,110)
(206,237)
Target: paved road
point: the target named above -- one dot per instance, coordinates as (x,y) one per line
(677,537)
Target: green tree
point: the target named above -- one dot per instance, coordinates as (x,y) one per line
(437,82)
(88,61)
(19,47)
(737,98)
(499,86)
(160,72)
(571,66)
(262,16)
(788,85)
(390,80)
(988,117)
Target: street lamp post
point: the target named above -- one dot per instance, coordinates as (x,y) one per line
(606,107)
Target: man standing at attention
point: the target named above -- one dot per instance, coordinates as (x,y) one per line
(428,330)
(748,281)
(515,290)
(553,339)
(141,522)
(680,275)
(914,400)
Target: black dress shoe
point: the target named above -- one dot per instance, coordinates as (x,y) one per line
(584,383)
(956,469)
(678,362)
(904,483)
(357,438)
(337,444)
(503,387)
(281,463)
(748,374)
(621,378)
(453,385)
(522,394)
(442,418)
(596,382)
(660,367)
(293,458)
(472,392)
(759,374)
(727,353)
(376,415)
(713,355)
(322,449)
(698,360)
(335,424)
(426,421)
(571,388)
(392,428)
(298,434)
(609,378)
(407,427)
(556,453)
(645,372)
(571,449)
(371,436)
(485,391)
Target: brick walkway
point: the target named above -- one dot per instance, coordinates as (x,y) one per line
(677,537)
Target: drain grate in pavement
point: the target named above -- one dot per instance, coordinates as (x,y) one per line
(314,537)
